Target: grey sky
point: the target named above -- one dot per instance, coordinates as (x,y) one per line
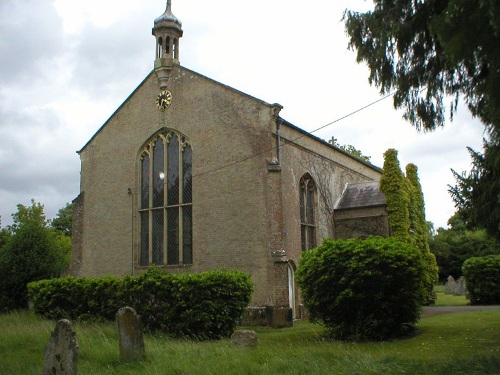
(66,65)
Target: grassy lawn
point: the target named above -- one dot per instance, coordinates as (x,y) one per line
(449,299)
(460,343)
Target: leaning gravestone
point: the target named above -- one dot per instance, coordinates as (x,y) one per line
(460,289)
(449,286)
(61,352)
(130,334)
(244,338)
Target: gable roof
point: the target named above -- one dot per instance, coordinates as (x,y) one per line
(284,122)
(360,195)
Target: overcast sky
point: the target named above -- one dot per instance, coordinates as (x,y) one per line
(66,65)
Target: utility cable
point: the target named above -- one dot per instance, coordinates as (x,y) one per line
(295,139)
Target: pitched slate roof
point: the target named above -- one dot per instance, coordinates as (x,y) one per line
(364,194)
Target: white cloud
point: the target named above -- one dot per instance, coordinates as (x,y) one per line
(63,76)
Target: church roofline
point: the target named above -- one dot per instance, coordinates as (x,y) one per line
(310,135)
(284,122)
(145,79)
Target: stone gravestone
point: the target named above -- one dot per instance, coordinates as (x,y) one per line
(460,288)
(244,338)
(449,286)
(130,335)
(61,352)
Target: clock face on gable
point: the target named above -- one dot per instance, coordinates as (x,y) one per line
(163,100)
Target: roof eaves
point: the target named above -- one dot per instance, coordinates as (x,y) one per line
(368,164)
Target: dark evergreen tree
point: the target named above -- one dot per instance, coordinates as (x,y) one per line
(426,51)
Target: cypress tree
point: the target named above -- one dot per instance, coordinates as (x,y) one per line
(392,184)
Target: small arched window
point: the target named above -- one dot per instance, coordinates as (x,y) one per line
(307,222)
(159,48)
(166,200)
(167,46)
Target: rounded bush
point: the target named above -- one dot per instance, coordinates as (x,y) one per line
(482,278)
(363,289)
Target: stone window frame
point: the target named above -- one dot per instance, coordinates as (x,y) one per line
(307,205)
(183,226)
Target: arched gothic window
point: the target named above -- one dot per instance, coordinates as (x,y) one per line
(307,223)
(166,200)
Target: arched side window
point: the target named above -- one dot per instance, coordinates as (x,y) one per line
(307,223)
(166,201)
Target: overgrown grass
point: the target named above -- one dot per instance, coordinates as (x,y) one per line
(461,343)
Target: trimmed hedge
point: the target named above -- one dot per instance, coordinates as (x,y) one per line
(482,277)
(363,289)
(206,305)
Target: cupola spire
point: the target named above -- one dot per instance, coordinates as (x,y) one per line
(167,31)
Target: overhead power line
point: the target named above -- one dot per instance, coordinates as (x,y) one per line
(295,139)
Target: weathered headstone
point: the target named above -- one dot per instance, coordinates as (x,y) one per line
(130,334)
(61,352)
(460,288)
(244,338)
(449,286)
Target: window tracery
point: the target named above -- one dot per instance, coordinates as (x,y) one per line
(165,211)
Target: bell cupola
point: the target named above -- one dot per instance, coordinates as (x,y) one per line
(167,31)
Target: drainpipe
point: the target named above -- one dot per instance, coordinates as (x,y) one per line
(276,108)
(132,224)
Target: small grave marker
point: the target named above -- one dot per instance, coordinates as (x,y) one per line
(244,338)
(61,352)
(130,335)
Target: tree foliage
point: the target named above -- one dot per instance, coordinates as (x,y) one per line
(351,150)
(363,289)
(477,193)
(419,231)
(453,246)
(392,184)
(483,279)
(406,214)
(447,47)
(32,252)
(64,219)
(429,50)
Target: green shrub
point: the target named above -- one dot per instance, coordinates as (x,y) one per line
(367,289)
(204,305)
(482,277)
(76,298)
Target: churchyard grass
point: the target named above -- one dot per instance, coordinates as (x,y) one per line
(449,299)
(461,343)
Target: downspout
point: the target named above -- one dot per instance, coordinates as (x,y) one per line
(276,108)
(278,141)
(132,224)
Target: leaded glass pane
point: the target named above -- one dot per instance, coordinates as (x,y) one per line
(145,182)
(157,236)
(158,173)
(173,235)
(303,237)
(144,254)
(187,182)
(302,206)
(310,237)
(173,171)
(309,212)
(187,235)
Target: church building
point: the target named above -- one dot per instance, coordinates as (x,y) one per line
(192,175)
